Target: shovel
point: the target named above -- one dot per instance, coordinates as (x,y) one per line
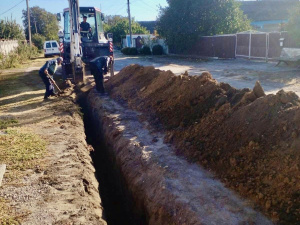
(54,83)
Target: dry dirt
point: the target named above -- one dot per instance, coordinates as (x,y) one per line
(248,139)
(62,188)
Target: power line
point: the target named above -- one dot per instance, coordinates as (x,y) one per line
(12,7)
(147,4)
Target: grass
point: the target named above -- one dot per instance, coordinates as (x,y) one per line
(20,55)
(7,217)
(4,123)
(19,150)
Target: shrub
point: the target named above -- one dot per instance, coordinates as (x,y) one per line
(146,50)
(133,51)
(125,51)
(129,51)
(38,40)
(157,50)
(18,56)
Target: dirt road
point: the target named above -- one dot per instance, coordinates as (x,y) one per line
(239,73)
(50,178)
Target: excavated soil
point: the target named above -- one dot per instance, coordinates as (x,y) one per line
(248,139)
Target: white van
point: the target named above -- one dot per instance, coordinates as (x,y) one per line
(51,48)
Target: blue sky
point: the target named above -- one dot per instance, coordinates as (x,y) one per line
(141,10)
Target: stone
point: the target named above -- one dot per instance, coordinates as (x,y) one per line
(268,204)
(2,171)
(258,90)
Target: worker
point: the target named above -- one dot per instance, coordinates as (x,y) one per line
(98,67)
(85,26)
(48,70)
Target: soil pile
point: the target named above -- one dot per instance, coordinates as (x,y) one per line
(250,140)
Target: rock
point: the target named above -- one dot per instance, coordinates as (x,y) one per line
(286,97)
(185,73)
(143,89)
(2,171)
(205,76)
(221,101)
(258,90)
(268,204)
(232,161)
(249,96)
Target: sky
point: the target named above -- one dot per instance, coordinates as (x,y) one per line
(141,10)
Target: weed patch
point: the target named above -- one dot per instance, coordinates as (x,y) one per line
(7,122)
(18,56)
(19,150)
(7,217)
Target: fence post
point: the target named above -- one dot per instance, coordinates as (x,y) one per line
(235,45)
(267,47)
(250,45)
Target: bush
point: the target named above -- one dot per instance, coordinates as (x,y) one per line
(129,51)
(146,50)
(157,50)
(18,56)
(38,40)
(125,51)
(133,51)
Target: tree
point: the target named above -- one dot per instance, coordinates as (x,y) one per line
(11,30)
(183,21)
(293,26)
(119,26)
(38,40)
(42,22)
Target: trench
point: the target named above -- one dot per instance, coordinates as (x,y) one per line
(118,205)
(142,181)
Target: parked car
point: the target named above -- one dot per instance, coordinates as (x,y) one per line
(51,48)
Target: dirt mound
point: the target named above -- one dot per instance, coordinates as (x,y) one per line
(250,140)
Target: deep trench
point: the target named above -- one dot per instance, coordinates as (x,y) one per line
(117,201)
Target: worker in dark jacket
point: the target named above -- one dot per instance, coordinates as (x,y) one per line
(48,70)
(85,27)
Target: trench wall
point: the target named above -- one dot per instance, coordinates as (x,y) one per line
(166,188)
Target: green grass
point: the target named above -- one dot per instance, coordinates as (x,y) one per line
(19,150)
(4,123)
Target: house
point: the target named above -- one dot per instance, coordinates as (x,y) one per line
(135,38)
(268,15)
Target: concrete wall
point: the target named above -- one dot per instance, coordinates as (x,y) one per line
(6,46)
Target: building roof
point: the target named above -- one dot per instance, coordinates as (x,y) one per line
(150,25)
(268,10)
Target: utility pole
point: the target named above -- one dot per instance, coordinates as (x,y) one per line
(129,17)
(29,29)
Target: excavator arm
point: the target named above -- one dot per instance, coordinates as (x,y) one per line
(75,48)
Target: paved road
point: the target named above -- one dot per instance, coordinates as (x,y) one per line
(239,73)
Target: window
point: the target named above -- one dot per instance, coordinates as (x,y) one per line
(89,36)
(48,45)
(99,25)
(66,26)
(54,45)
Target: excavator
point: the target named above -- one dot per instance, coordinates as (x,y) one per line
(84,48)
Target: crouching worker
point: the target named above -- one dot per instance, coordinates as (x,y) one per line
(99,67)
(47,71)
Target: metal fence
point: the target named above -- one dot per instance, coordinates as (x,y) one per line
(249,44)
(6,46)
(262,45)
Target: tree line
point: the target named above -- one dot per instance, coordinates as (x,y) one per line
(180,23)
